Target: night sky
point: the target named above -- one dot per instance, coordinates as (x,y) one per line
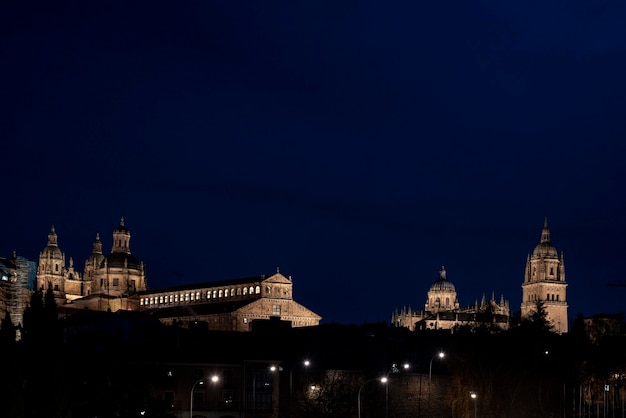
(357,145)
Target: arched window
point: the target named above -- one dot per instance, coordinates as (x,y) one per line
(251,290)
(221,293)
(214,294)
(257,290)
(208,294)
(197,295)
(232,292)
(245,291)
(239,291)
(447,301)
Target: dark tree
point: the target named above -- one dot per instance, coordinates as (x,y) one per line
(7,332)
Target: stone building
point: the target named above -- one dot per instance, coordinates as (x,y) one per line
(229,305)
(544,280)
(117,275)
(443,311)
(118,282)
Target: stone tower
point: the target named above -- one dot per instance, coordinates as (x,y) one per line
(51,270)
(544,280)
(120,273)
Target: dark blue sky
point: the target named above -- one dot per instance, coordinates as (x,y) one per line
(358,145)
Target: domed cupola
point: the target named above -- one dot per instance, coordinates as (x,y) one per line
(545,247)
(52,249)
(442,284)
(442,294)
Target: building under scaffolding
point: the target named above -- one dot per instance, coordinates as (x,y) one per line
(17,280)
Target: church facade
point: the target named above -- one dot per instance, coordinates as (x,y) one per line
(117,275)
(118,282)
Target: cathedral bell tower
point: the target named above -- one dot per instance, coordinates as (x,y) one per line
(121,239)
(544,280)
(51,270)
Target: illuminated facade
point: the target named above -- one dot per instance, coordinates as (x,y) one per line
(117,275)
(118,281)
(544,280)
(229,305)
(443,311)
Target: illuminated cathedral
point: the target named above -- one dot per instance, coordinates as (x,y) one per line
(443,311)
(544,281)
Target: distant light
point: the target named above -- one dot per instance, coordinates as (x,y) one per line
(442,354)
(214,379)
(473,395)
(406,366)
(307,363)
(383,380)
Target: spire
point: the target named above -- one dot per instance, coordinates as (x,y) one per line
(52,237)
(545,233)
(121,239)
(442,273)
(97,245)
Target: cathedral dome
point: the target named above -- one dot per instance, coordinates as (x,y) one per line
(441,284)
(545,249)
(53,250)
(119,260)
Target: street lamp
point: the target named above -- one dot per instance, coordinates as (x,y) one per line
(382,380)
(200,382)
(474,395)
(441,355)
(305,363)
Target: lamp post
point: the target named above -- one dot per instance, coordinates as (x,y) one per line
(441,355)
(200,382)
(305,364)
(382,380)
(474,395)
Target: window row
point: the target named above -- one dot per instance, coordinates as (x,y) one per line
(549,296)
(200,296)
